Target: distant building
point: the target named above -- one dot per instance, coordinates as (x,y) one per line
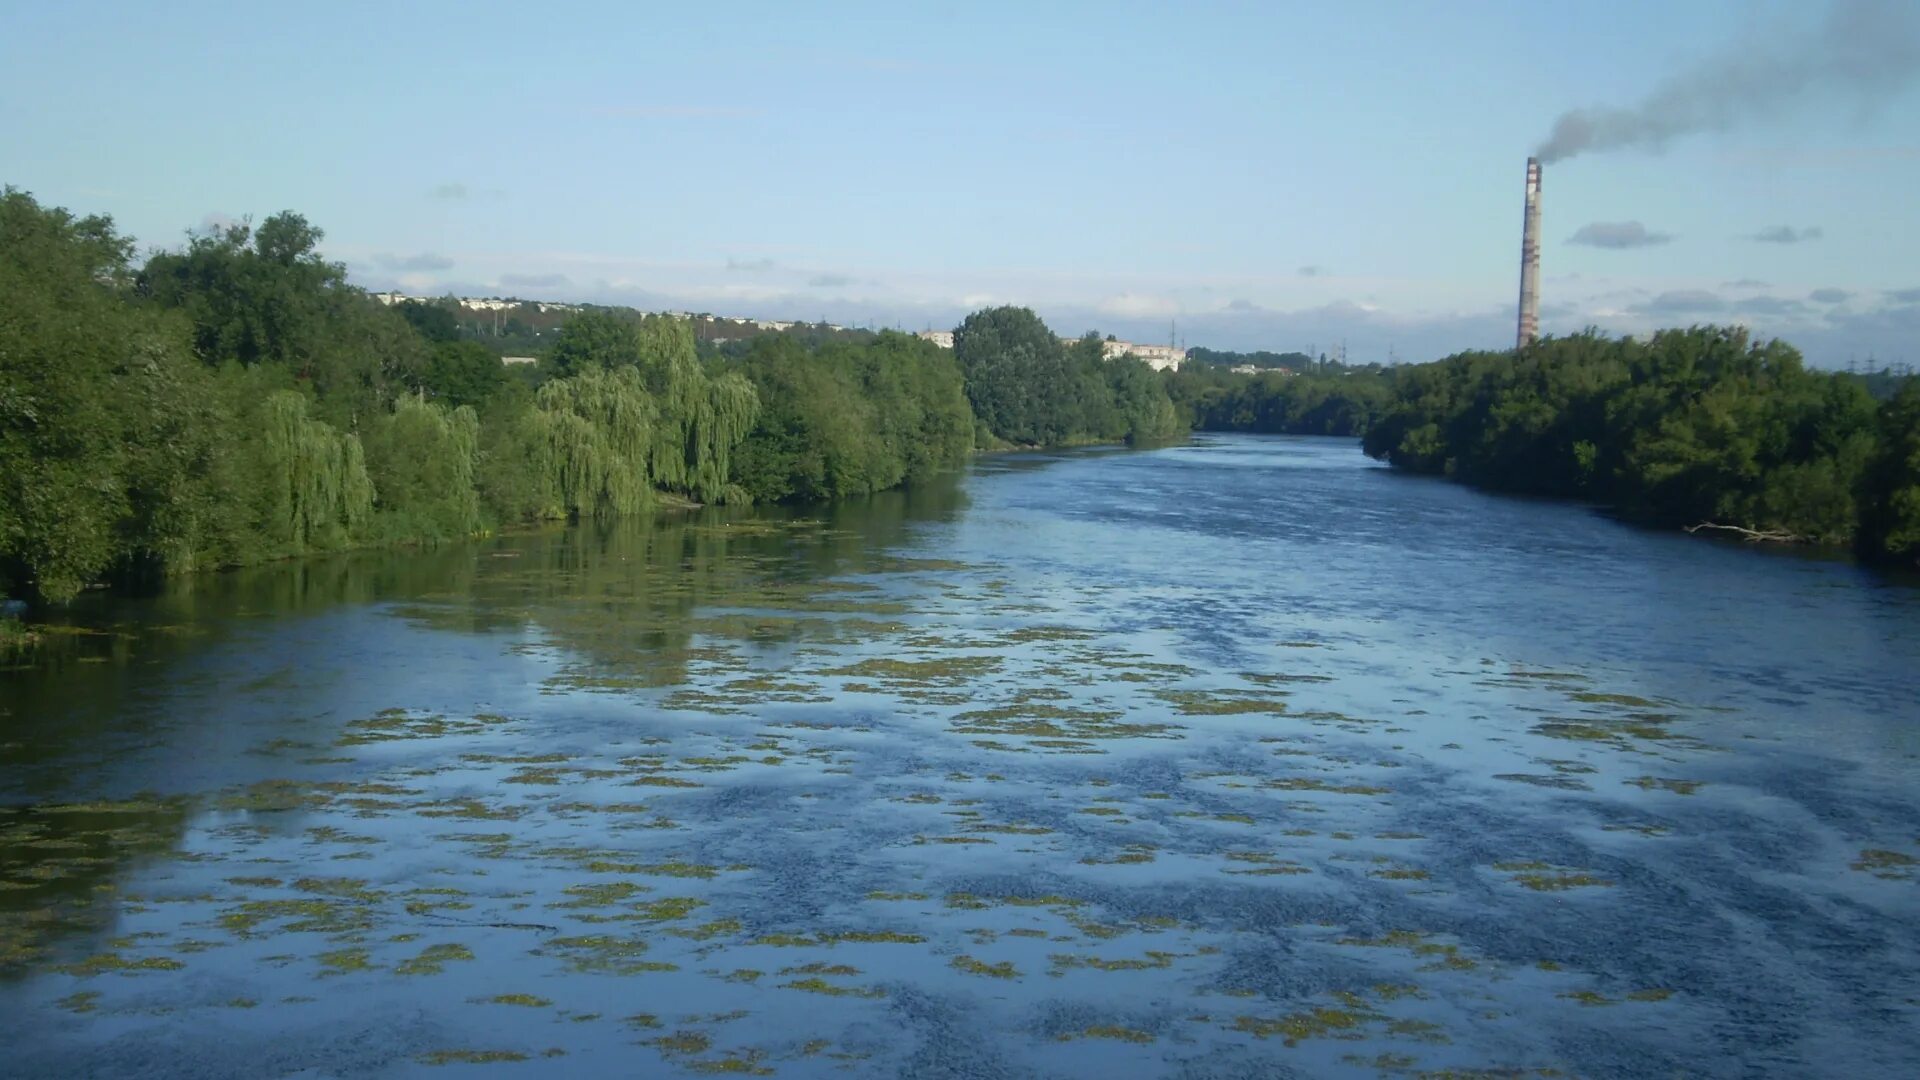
(519,360)
(942,338)
(1157,357)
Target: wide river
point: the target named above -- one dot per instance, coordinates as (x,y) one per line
(1244,758)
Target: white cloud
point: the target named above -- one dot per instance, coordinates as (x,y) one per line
(1138,305)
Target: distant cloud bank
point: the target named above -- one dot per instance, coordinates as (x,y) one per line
(1786,234)
(426,260)
(535,281)
(1618,235)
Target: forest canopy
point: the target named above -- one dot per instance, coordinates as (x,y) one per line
(237,400)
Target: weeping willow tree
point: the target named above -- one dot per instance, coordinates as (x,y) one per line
(422,460)
(316,494)
(699,419)
(722,423)
(679,388)
(592,434)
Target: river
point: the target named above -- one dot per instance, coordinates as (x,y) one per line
(1243,758)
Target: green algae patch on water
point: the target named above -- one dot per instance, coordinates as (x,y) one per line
(708,930)
(433,960)
(1045,720)
(1559,879)
(105,962)
(817,985)
(682,1042)
(83,1001)
(1546,780)
(344,961)
(1153,961)
(1263,864)
(1316,1023)
(1890,865)
(1108,1031)
(1625,700)
(945,672)
(603,954)
(1399,874)
(394,725)
(599,894)
(1657,783)
(469,1057)
(1224,702)
(1309,783)
(529,1001)
(1002,970)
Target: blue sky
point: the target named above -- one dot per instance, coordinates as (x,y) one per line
(1271,175)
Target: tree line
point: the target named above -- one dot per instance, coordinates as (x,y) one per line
(236,401)
(1695,428)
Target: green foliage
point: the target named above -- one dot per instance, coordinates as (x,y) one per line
(1017,375)
(1029,388)
(435,322)
(700,419)
(1345,403)
(265,297)
(849,419)
(421,460)
(592,437)
(1890,510)
(313,491)
(1691,426)
(237,401)
(463,373)
(103,414)
(595,338)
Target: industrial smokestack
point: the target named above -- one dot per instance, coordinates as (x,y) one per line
(1530,261)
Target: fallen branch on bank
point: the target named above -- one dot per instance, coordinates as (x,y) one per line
(1752,536)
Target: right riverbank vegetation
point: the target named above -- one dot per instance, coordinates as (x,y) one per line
(236,401)
(1698,429)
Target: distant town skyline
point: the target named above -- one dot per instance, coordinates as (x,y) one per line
(1279,177)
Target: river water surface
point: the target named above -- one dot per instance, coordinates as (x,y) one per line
(1246,758)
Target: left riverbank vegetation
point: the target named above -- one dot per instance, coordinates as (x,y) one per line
(236,401)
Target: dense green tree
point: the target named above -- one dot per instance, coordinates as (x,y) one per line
(595,338)
(421,460)
(1017,375)
(310,487)
(1691,427)
(1890,512)
(1029,388)
(266,297)
(463,373)
(105,420)
(850,419)
(1278,404)
(436,322)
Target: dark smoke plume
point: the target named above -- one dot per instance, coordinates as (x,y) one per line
(1864,51)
